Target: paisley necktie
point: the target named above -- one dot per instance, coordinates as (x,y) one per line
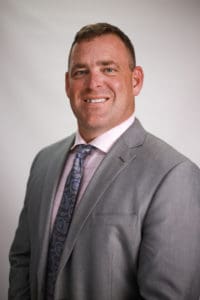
(64,218)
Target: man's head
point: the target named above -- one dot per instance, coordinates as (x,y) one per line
(102,79)
(92,31)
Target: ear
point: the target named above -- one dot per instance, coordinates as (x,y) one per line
(138,77)
(67,84)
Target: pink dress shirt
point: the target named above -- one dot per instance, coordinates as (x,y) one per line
(102,145)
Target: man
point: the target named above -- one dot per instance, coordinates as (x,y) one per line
(133,231)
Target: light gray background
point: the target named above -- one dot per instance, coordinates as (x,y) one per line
(35,37)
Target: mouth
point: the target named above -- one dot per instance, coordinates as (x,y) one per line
(96,100)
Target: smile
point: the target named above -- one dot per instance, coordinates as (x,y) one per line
(96,100)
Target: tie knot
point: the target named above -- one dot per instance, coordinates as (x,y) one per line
(83,150)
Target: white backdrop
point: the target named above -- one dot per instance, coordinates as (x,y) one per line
(35,36)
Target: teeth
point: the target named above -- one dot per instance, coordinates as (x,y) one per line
(98,100)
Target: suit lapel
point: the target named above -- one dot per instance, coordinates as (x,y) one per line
(56,165)
(118,158)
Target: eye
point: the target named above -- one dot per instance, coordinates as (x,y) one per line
(110,70)
(79,73)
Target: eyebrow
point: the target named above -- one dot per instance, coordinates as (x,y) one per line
(79,66)
(99,63)
(107,63)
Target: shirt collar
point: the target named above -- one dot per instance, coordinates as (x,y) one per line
(105,141)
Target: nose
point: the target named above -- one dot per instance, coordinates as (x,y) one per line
(94,80)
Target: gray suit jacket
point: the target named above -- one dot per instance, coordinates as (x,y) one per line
(134,235)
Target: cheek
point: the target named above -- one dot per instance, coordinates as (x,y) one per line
(122,84)
(116,86)
(75,89)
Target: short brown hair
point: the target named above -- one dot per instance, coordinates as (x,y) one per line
(91,31)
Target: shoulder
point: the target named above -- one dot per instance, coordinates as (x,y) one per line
(155,155)
(160,152)
(58,146)
(53,151)
(165,158)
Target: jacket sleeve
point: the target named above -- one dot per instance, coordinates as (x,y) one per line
(19,255)
(169,260)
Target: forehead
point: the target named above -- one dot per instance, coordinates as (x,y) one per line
(106,47)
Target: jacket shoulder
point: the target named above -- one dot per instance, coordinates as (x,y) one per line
(162,154)
(53,151)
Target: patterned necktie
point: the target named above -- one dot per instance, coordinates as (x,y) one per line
(64,217)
